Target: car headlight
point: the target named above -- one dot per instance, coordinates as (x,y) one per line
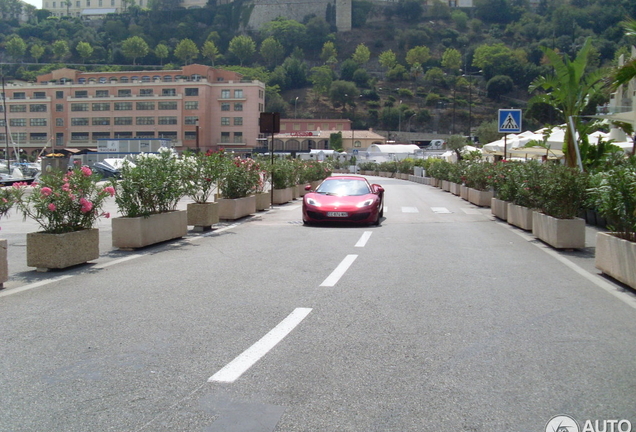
(313,202)
(365,203)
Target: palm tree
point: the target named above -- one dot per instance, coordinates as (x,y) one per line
(627,72)
(568,90)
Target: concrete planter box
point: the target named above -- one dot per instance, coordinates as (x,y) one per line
(282,196)
(57,251)
(138,232)
(455,188)
(499,208)
(616,257)
(463,192)
(434,182)
(203,216)
(520,216)
(296,191)
(404,176)
(263,201)
(446,185)
(232,209)
(559,233)
(4,263)
(479,198)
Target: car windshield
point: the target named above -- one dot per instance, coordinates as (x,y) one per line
(344,187)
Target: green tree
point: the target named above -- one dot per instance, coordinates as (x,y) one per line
(387,59)
(186,50)
(16,47)
(85,50)
(342,93)
(390,118)
(60,49)
(242,47)
(37,51)
(361,55)
(627,72)
(418,55)
(451,59)
(290,33)
(321,77)
(488,132)
(568,89)
(135,47)
(456,143)
(328,51)
(162,52)
(498,86)
(272,51)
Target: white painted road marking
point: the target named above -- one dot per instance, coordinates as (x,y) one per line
(34,285)
(364,239)
(233,370)
(335,276)
(440,210)
(410,210)
(471,211)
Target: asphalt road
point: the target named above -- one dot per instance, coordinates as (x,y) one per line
(440,319)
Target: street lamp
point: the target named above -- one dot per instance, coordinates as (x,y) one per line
(400,117)
(470,101)
(295,105)
(408,127)
(196,122)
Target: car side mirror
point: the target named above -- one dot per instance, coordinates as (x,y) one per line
(377,188)
(308,187)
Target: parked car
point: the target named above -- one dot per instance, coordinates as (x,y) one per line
(344,199)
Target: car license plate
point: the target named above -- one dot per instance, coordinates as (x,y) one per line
(337,214)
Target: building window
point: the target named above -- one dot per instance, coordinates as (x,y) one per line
(192,105)
(101,121)
(79,107)
(59,108)
(101,107)
(225,94)
(311,127)
(88,3)
(238,94)
(238,121)
(81,94)
(145,78)
(296,126)
(145,106)
(145,120)
(123,135)
(190,135)
(101,93)
(17,108)
(37,136)
(59,94)
(123,79)
(145,134)
(79,136)
(191,120)
(225,121)
(167,78)
(112,2)
(260,94)
(238,106)
(101,135)
(192,92)
(17,122)
(171,105)
(238,137)
(19,95)
(168,135)
(225,137)
(167,120)
(123,106)
(225,106)
(59,122)
(78,3)
(145,92)
(37,122)
(124,92)
(123,121)
(79,121)
(168,92)
(39,95)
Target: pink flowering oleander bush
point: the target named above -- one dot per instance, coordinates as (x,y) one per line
(7,199)
(240,177)
(201,172)
(64,201)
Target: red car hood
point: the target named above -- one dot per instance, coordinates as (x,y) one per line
(343,203)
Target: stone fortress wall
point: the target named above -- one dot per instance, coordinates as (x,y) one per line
(265,11)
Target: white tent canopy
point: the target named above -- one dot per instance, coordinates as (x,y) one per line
(393,148)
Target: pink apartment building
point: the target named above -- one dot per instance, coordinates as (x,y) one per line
(196,106)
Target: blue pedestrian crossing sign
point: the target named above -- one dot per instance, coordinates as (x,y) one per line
(509,121)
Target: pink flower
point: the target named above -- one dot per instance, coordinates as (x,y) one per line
(66,187)
(46,191)
(86,205)
(107,215)
(52,207)
(110,190)
(87,171)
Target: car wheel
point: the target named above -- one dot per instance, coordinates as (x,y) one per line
(381,210)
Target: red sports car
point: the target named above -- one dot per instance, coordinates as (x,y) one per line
(344,198)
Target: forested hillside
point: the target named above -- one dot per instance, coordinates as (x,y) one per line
(404,65)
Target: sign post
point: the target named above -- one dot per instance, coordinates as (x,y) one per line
(509,122)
